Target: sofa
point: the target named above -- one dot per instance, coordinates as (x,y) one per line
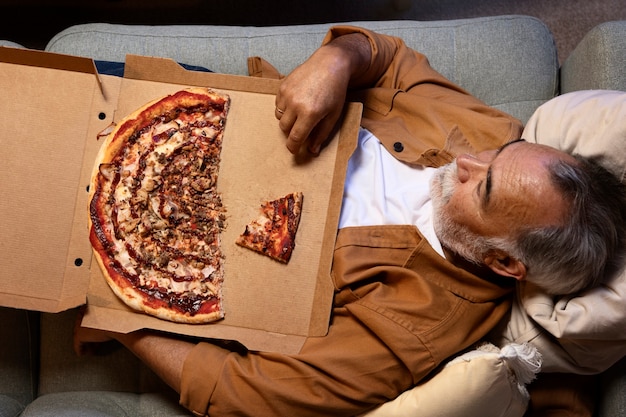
(510,62)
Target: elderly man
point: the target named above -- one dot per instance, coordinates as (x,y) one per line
(444,209)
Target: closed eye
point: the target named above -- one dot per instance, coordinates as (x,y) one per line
(483,190)
(487,193)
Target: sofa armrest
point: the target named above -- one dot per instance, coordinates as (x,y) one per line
(10,44)
(598,61)
(612,401)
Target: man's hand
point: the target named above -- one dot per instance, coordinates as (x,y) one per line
(311,99)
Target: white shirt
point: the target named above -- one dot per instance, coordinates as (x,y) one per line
(381,190)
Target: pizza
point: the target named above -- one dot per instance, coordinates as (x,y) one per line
(273,233)
(155,216)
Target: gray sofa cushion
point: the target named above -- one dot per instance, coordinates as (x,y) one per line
(19,330)
(510,62)
(105,404)
(10,44)
(9,406)
(612,388)
(598,62)
(114,368)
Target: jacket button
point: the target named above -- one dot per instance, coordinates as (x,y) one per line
(398,147)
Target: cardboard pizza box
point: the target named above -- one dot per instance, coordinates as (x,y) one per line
(52,111)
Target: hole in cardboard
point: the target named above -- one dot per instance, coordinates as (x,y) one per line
(102,115)
(78,261)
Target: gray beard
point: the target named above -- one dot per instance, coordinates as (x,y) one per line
(453,235)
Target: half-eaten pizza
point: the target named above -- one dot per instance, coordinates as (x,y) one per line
(155,216)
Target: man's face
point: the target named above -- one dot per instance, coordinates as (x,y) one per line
(492,194)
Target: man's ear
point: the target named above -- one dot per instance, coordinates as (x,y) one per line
(502,264)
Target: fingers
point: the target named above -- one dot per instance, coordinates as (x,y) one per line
(321,134)
(305,128)
(302,130)
(297,137)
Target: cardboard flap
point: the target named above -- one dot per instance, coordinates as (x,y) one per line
(46,114)
(41,59)
(166,70)
(117,321)
(32,57)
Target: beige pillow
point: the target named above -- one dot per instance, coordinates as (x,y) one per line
(591,123)
(486,382)
(589,327)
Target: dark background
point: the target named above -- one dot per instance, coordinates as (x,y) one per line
(33,22)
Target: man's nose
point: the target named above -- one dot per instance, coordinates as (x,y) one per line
(468,166)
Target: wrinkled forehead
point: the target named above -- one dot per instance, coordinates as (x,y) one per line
(525,181)
(537,149)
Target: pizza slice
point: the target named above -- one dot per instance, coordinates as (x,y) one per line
(273,233)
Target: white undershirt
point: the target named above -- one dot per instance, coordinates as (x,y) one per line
(381,190)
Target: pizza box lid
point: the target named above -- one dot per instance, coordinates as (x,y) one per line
(55,106)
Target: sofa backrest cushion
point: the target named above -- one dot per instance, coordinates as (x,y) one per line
(509,62)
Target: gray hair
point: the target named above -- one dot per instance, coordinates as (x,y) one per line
(590,244)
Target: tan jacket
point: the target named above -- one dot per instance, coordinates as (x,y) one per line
(400,309)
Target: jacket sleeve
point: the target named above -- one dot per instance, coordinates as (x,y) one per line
(343,373)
